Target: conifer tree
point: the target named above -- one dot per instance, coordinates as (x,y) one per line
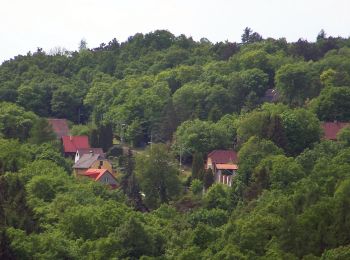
(208,179)
(197,166)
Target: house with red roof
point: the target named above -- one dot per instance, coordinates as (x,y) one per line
(59,127)
(102,176)
(91,161)
(331,129)
(224,165)
(72,143)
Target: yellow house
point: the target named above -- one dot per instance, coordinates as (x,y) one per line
(91,161)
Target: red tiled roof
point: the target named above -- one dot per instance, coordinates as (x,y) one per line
(223,156)
(95,173)
(59,126)
(72,143)
(331,129)
(225,166)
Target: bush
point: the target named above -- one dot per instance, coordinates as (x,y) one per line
(196,186)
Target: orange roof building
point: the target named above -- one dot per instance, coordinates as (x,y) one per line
(103,176)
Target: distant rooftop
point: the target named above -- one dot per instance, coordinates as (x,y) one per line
(223,156)
(331,129)
(59,126)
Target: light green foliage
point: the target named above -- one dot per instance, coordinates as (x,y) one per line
(332,78)
(251,153)
(281,171)
(157,174)
(201,136)
(342,252)
(80,130)
(297,82)
(35,97)
(264,122)
(196,186)
(302,129)
(217,197)
(332,104)
(12,157)
(215,217)
(344,136)
(15,122)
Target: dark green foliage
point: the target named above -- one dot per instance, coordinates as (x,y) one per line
(134,241)
(129,183)
(157,174)
(200,96)
(115,151)
(41,132)
(249,37)
(102,137)
(105,137)
(197,166)
(208,178)
(5,250)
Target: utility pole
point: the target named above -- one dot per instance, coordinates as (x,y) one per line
(180,157)
(151,142)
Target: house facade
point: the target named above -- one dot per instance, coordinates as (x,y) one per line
(103,176)
(91,161)
(224,165)
(72,143)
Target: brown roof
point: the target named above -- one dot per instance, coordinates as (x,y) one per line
(86,161)
(59,126)
(331,129)
(223,156)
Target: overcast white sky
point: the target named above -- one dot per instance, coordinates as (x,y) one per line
(28,24)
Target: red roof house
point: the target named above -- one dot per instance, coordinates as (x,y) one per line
(331,129)
(59,126)
(102,175)
(223,156)
(224,165)
(72,143)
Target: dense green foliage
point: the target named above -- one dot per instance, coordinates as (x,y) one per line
(289,200)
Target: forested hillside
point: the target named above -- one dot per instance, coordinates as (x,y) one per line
(265,98)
